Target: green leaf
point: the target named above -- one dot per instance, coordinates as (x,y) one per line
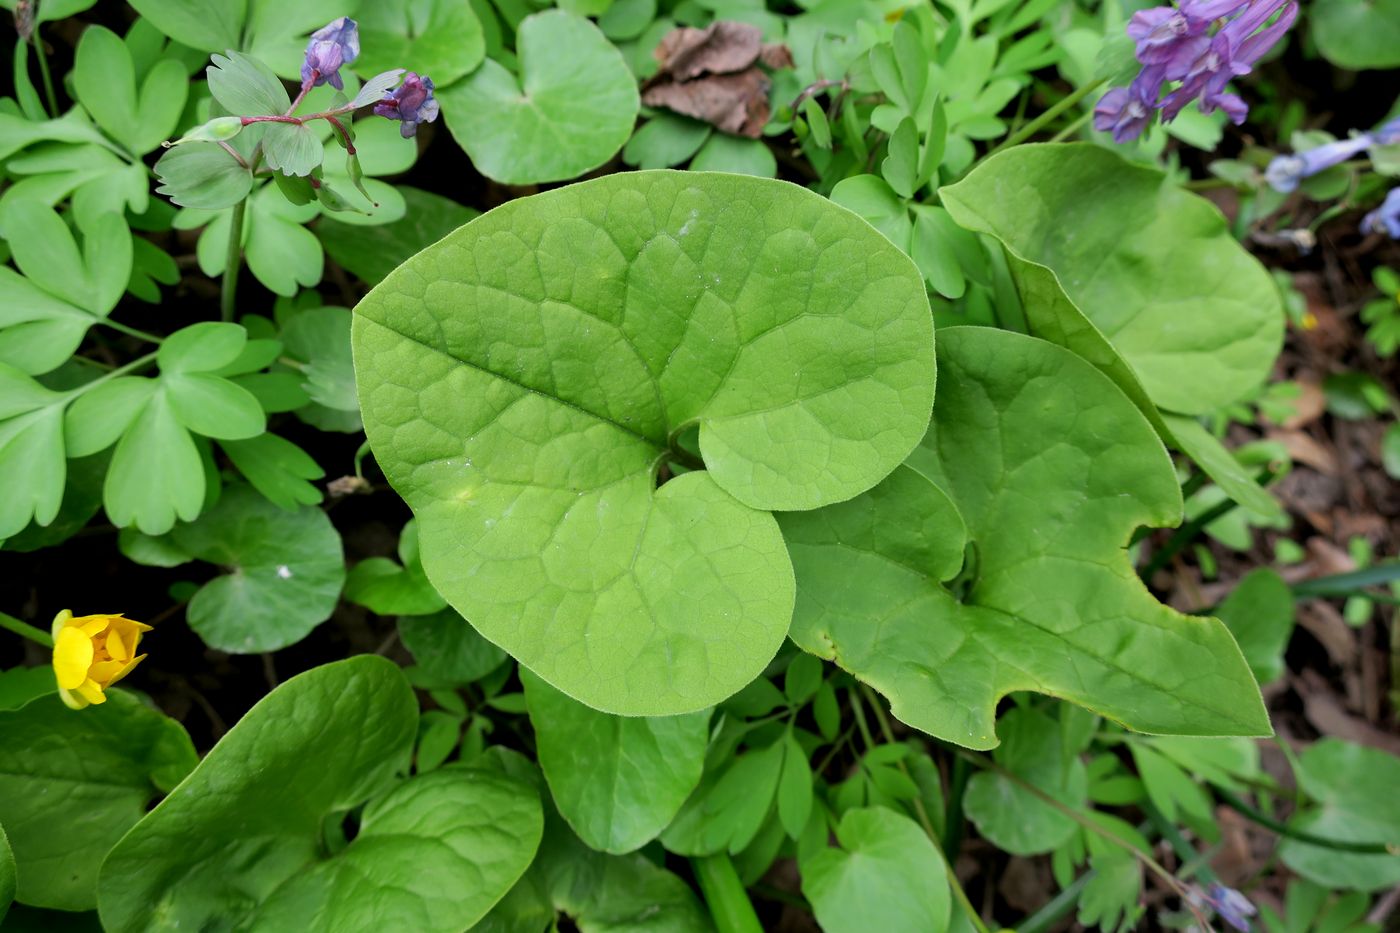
(901,166)
(104,77)
(570,111)
(730,806)
(388,589)
(32,464)
(320,338)
(617,780)
(1220,465)
(665,140)
(285,572)
(1259,613)
(652,302)
(99,417)
(448,649)
(7,874)
(1159,277)
(291,148)
(1352,789)
(794,787)
(245,87)
(19,685)
(73,782)
(43,247)
(1358,36)
(277,468)
(934,246)
(441,38)
(1010,816)
(156,473)
(886,875)
(208,25)
(201,348)
(872,198)
(213,406)
(724,153)
(1111,900)
(1051,469)
(202,175)
(240,841)
(371,253)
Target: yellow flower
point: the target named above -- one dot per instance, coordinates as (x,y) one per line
(90,653)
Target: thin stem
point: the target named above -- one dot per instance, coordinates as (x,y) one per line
(1268,822)
(233,261)
(1182,848)
(139,363)
(1036,125)
(1058,907)
(237,156)
(972,915)
(1073,128)
(24,628)
(131,331)
(305,89)
(344,134)
(1188,532)
(729,903)
(44,73)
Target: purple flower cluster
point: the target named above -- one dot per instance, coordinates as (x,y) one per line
(1386,218)
(1286,172)
(1176,44)
(411,103)
(334,44)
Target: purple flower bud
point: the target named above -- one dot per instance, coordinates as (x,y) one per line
(1386,218)
(1232,906)
(1127,111)
(411,103)
(1285,172)
(334,44)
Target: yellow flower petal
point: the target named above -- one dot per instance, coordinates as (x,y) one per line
(59,621)
(72,656)
(116,648)
(126,669)
(71,699)
(91,692)
(104,672)
(93,625)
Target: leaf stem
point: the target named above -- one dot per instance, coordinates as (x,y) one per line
(1188,532)
(729,903)
(24,628)
(1283,829)
(1059,107)
(44,72)
(131,331)
(963,900)
(138,363)
(228,287)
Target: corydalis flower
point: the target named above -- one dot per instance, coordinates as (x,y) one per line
(1126,111)
(1232,906)
(411,103)
(90,653)
(1286,172)
(1386,218)
(334,44)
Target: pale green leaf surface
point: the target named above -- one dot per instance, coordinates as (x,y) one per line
(885,875)
(439,38)
(1220,465)
(1011,817)
(617,780)
(287,569)
(241,840)
(208,25)
(71,783)
(372,252)
(1358,35)
(1051,469)
(156,474)
(1160,277)
(32,466)
(277,468)
(1260,614)
(586,326)
(571,109)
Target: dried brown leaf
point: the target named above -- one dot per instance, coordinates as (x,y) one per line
(724,46)
(734,103)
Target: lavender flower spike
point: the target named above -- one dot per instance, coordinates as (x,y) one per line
(334,44)
(1285,172)
(1386,218)
(1233,52)
(411,103)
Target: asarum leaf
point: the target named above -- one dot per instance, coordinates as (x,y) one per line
(242,841)
(524,380)
(1159,279)
(1044,468)
(571,109)
(440,38)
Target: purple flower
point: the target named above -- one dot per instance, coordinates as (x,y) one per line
(1126,111)
(334,44)
(1388,134)
(1385,218)
(1232,906)
(411,103)
(1285,172)
(1233,52)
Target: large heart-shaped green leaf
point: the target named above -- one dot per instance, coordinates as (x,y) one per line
(571,109)
(1045,468)
(243,842)
(72,783)
(1159,276)
(618,780)
(524,380)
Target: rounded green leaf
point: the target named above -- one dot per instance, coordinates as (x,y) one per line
(521,382)
(1047,468)
(447,649)
(618,780)
(886,875)
(73,782)
(214,407)
(440,38)
(201,348)
(286,571)
(156,473)
(1358,35)
(242,842)
(571,109)
(1160,276)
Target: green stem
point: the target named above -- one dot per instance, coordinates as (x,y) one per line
(729,903)
(973,917)
(25,629)
(1182,848)
(131,331)
(44,73)
(1268,822)
(1040,122)
(233,261)
(1073,128)
(1058,908)
(1188,532)
(139,363)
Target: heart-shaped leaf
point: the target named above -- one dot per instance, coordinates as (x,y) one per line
(571,109)
(1051,468)
(524,380)
(439,38)
(72,784)
(105,79)
(287,569)
(618,780)
(242,841)
(1358,35)
(1159,277)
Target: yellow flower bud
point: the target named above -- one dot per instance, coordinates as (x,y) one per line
(90,653)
